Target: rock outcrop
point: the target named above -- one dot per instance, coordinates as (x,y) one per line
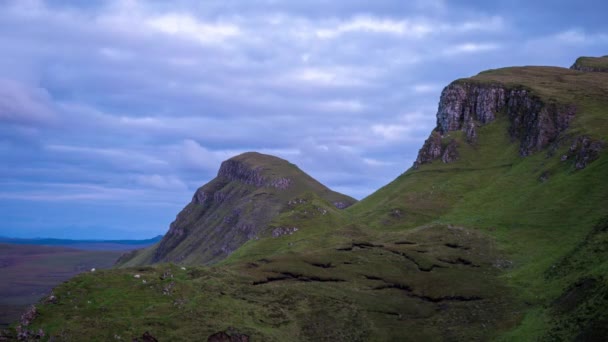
(466,105)
(584,150)
(591,64)
(237,170)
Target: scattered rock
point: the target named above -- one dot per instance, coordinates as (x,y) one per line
(544,176)
(341,205)
(146,337)
(168,289)
(166,275)
(230,335)
(584,150)
(51,299)
(28,316)
(281,231)
(396,213)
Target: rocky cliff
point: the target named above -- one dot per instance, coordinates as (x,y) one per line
(250,190)
(466,105)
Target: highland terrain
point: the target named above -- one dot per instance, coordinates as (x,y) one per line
(499,231)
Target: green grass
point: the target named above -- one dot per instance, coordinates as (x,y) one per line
(29,272)
(479,249)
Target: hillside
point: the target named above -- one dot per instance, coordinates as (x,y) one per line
(497,232)
(250,191)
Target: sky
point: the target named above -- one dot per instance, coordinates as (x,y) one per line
(112,113)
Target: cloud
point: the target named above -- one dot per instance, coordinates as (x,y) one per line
(188,27)
(162,182)
(468,48)
(25,105)
(579,36)
(145,99)
(376,25)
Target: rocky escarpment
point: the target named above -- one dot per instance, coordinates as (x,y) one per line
(467,105)
(583,151)
(591,64)
(237,170)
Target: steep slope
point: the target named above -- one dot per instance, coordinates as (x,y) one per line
(498,232)
(250,190)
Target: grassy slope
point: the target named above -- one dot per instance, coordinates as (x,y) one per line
(477,249)
(494,190)
(29,272)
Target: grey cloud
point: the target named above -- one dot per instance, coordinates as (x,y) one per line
(149,96)
(23,104)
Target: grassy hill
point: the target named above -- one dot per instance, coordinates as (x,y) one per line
(499,232)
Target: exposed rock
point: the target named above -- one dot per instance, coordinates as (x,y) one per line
(278,232)
(341,205)
(450,154)
(544,176)
(536,124)
(584,150)
(200,197)
(465,102)
(471,132)
(168,289)
(230,335)
(430,151)
(28,316)
(51,299)
(591,64)
(236,170)
(464,105)
(434,148)
(146,337)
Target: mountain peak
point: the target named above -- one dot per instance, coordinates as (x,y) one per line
(260,170)
(250,191)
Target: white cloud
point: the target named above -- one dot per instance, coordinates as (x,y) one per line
(467,48)
(376,25)
(162,182)
(186,26)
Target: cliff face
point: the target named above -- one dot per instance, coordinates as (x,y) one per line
(466,105)
(238,205)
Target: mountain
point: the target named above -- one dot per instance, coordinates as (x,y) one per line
(97,245)
(246,201)
(499,231)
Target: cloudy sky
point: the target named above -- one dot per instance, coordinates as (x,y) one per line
(112,113)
